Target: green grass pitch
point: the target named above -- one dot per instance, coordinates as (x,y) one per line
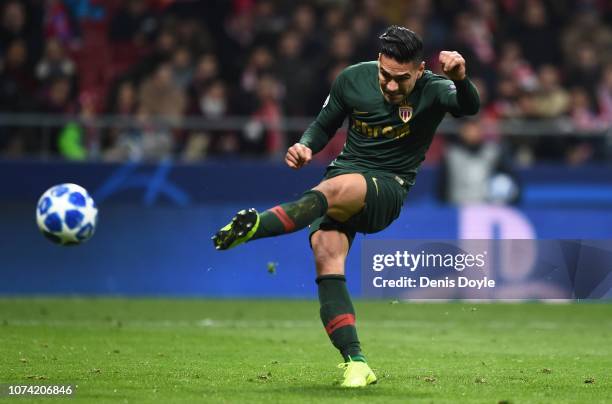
(158,350)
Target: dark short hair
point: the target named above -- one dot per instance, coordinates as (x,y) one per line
(401,44)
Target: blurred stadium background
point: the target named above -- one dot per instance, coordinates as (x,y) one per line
(176,113)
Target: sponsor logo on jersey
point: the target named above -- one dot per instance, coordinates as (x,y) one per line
(389,132)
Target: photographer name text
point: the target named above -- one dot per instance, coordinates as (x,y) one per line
(392,264)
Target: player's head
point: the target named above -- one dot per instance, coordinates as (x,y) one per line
(400,62)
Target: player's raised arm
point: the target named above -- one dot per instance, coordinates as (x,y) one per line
(324,127)
(459,97)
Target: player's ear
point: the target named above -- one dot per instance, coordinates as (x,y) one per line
(421,69)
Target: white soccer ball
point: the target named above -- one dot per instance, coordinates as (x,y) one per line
(66,214)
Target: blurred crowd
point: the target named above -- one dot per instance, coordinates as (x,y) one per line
(266,61)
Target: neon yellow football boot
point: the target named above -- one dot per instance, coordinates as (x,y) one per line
(357,374)
(239,230)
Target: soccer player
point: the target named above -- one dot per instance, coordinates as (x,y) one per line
(394,106)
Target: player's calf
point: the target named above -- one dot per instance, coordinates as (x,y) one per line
(281,219)
(338,316)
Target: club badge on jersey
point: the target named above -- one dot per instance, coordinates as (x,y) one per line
(405,112)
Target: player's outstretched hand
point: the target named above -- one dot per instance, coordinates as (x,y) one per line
(298,156)
(453,65)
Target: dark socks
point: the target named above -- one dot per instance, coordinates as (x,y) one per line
(338,316)
(291,216)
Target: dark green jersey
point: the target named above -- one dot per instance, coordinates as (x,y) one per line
(382,136)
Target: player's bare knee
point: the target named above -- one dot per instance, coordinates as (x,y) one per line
(331,192)
(345,195)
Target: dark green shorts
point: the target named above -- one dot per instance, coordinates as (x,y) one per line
(385,196)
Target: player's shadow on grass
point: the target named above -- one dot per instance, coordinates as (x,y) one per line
(332,391)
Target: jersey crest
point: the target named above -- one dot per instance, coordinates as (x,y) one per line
(405,112)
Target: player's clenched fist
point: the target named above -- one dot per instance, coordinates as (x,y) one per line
(298,156)
(453,65)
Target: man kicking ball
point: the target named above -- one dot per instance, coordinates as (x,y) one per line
(394,107)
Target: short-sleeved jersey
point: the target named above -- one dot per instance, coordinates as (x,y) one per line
(382,136)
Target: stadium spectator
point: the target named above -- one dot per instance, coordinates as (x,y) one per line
(213,104)
(160,96)
(475,171)
(17,94)
(374,10)
(79,141)
(513,66)
(55,63)
(163,49)
(126,101)
(293,71)
(334,19)
(295,76)
(206,71)
(506,101)
(586,27)
(262,134)
(57,100)
(583,111)
(465,40)
(536,33)
(19,22)
(60,23)
(269,23)
(182,67)
(364,37)
(260,61)
(142,141)
(340,53)
(191,34)
(604,94)
(582,147)
(134,22)
(13,23)
(123,106)
(586,70)
(17,83)
(341,49)
(304,22)
(239,38)
(551,100)
(87,10)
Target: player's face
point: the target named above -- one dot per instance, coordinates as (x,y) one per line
(397,79)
